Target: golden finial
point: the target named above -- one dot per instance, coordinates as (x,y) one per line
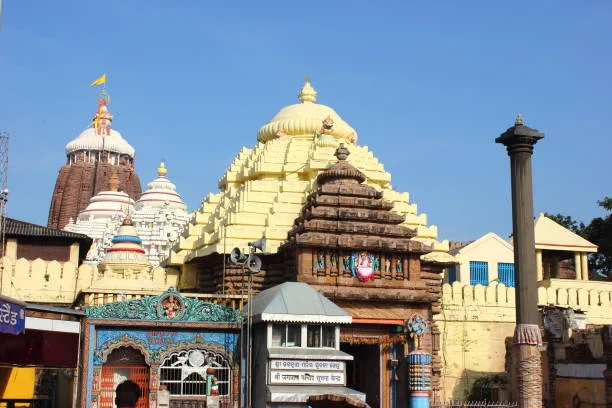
(161,170)
(307,93)
(519,120)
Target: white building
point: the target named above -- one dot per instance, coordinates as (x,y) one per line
(560,255)
(159,217)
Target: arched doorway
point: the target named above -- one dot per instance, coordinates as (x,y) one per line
(185,373)
(124,363)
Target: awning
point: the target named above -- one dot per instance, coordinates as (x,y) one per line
(301,393)
(12,315)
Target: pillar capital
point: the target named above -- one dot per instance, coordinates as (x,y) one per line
(519,137)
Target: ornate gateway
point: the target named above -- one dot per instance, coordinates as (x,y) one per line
(169,306)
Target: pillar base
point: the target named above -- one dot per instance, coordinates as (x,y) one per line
(527,365)
(419,400)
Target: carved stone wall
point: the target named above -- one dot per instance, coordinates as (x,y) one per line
(78,182)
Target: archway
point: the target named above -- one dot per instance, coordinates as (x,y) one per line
(124,363)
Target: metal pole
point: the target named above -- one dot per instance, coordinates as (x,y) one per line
(250,342)
(527,379)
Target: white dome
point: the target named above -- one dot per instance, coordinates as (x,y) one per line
(106,204)
(161,191)
(89,139)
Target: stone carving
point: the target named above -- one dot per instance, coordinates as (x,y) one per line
(172,307)
(416,326)
(163,307)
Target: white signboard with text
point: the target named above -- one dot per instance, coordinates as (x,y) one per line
(307,372)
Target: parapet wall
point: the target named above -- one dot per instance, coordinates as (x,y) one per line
(475,321)
(592,298)
(42,281)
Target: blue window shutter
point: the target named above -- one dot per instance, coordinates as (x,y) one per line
(452,274)
(479,273)
(506,274)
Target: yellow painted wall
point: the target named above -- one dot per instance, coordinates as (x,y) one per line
(592,393)
(17,382)
(474,322)
(25,280)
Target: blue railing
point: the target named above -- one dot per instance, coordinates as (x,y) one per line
(505,272)
(479,273)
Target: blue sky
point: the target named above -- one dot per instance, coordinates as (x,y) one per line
(427,85)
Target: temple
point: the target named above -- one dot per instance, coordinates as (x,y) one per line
(263,190)
(159,215)
(102,217)
(91,159)
(331,219)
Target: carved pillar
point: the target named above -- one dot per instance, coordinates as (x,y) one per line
(606,338)
(419,378)
(519,141)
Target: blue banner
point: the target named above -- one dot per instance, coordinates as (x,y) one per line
(12,317)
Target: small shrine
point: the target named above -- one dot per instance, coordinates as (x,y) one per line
(176,348)
(296,347)
(350,246)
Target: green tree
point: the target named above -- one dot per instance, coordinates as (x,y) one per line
(599,232)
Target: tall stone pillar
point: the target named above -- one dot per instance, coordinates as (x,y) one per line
(519,141)
(606,337)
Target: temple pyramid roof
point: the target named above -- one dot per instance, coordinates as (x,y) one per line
(264,188)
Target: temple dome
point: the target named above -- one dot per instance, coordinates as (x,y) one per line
(161,191)
(89,139)
(106,204)
(126,245)
(304,120)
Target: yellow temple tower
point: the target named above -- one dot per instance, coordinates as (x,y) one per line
(265,187)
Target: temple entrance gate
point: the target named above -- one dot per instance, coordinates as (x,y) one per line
(124,363)
(363,373)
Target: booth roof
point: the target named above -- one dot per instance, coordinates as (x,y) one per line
(296,302)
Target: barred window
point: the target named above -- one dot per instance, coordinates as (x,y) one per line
(187,372)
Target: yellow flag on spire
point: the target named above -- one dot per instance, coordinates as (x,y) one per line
(99,81)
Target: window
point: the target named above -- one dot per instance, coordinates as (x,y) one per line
(452,274)
(185,372)
(316,335)
(286,335)
(505,272)
(479,273)
(321,336)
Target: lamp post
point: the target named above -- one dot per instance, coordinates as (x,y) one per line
(253,265)
(527,379)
